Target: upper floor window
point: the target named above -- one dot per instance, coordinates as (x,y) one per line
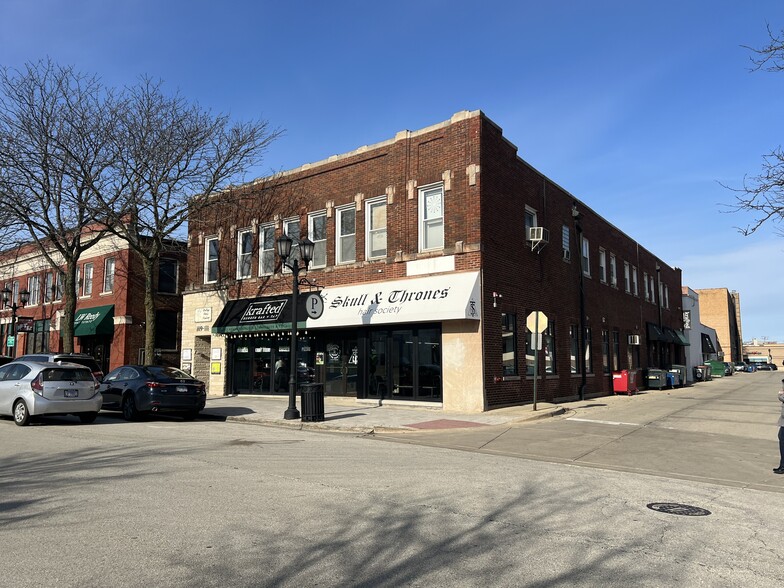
(346,233)
(34,287)
(666,297)
(244,253)
(431,218)
(108,275)
(635,287)
(87,284)
(167,276)
(267,250)
(627,276)
(317,232)
(376,226)
(565,238)
(586,257)
(509,344)
(530,220)
(58,288)
(210,260)
(603,266)
(653,289)
(48,287)
(613,271)
(291,227)
(645,287)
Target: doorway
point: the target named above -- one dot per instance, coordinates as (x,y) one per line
(340,366)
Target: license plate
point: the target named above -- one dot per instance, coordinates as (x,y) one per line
(182,388)
(72,393)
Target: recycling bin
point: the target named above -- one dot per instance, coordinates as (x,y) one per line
(656,378)
(312,402)
(625,382)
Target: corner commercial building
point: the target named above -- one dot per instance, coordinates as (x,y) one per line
(431,250)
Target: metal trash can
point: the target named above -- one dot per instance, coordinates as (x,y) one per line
(681,372)
(699,373)
(312,402)
(656,379)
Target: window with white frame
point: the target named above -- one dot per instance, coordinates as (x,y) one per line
(653,290)
(346,234)
(87,284)
(291,227)
(666,297)
(244,253)
(565,241)
(602,266)
(266,250)
(34,287)
(210,260)
(635,286)
(317,232)
(645,287)
(613,271)
(627,277)
(431,218)
(58,290)
(108,274)
(376,227)
(530,220)
(48,287)
(586,257)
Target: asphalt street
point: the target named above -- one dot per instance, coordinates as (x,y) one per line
(216,502)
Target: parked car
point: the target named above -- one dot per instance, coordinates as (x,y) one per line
(80,358)
(773,366)
(30,388)
(729,369)
(740,366)
(137,390)
(763,366)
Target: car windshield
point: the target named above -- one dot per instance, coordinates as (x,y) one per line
(170,373)
(65,373)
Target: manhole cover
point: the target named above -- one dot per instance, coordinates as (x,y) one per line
(678,509)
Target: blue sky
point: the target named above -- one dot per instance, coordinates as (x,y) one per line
(639,109)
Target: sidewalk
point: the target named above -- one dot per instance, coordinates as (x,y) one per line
(350,415)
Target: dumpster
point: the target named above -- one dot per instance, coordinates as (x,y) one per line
(717,369)
(656,379)
(681,372)
(625,382)
(312,402)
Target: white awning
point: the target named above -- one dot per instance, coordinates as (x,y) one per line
(435,298)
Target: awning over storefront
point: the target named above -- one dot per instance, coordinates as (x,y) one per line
(655,333)
(434,298)
(98,320)
(707,344)
(259,314)
(681,338)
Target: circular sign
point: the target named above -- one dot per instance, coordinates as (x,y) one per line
(314,305)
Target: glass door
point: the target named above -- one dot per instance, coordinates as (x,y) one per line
(377,385)
(340,367)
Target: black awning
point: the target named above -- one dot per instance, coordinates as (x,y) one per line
(682,338)
(655,333)
(669,335)
(707,344)
(247,315)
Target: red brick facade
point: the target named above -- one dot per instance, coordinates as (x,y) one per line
(487,188)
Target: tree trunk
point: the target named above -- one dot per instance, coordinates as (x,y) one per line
(69,307)
(149,313)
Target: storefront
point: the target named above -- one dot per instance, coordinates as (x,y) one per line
(383,340)
(94,328)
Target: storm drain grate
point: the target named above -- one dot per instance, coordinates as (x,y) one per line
(678,509)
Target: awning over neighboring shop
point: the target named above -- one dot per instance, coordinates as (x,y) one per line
(259,314)
(434,298)
(681,338)
(707,344)
(98,320)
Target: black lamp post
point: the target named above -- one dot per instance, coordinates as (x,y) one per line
(24,296)
(306,246)
(578,229)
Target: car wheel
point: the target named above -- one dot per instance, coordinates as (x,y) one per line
(88,417)
(21,414)
(130,413)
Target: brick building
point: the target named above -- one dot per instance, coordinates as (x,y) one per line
(432,249)
(720,309)
(109,320)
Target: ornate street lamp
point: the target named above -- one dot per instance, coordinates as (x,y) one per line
(284,245)
(24,297)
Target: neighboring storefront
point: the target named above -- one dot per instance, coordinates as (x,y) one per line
(94,328)
(405,340)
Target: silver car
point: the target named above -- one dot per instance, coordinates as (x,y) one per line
(29,388)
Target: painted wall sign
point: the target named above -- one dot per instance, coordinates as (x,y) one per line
(203,315)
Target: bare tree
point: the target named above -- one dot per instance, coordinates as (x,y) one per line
(55,156)
(762,195)
(171,156)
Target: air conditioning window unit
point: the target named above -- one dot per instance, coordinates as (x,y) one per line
(634,339)
(538,234)
(567,255)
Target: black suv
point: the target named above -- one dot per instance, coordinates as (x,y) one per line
(87,361)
